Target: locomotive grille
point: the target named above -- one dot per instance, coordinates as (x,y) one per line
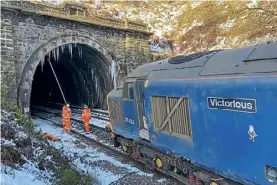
(115,108)
(171,115)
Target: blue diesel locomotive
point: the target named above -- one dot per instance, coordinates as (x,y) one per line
(205,118)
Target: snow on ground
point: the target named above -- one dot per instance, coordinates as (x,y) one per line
(98,122)
(16,150)
(26,175)
(7,142)
(93,121)
(102,167)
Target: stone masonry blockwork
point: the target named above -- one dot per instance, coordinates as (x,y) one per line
(24,32)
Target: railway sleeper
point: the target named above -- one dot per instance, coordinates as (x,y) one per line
(177,167)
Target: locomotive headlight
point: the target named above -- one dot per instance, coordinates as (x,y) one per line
(271,173)
(213,183)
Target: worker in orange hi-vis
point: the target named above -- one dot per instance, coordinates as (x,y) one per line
(86,116)
(66,118)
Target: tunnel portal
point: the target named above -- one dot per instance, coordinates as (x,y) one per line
(85,76)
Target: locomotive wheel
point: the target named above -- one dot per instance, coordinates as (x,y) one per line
(159,162)
(126,148)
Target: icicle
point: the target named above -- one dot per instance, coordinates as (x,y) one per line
(98,90)
(58,52)
(113,73)
(42,60)
(70,50)
(62,48)
(42,64)
(97,87)
(78,51)
(92,74)
(96,83)
(49,54)
(54,55)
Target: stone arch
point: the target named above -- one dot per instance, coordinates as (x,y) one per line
(25,86)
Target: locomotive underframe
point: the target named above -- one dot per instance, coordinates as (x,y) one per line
(177,167)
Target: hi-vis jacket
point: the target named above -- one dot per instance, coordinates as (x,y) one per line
(86,115)
(66,114)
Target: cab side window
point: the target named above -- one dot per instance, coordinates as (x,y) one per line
(130,91)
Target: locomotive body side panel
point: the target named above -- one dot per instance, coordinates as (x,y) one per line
(221,135)
(218,109)
(131,119)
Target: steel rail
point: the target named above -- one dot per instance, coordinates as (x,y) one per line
(60,105)
(102,116)
(77,120)
(117,151)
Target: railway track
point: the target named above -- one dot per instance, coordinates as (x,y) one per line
(106,143)
(96,113)
(78,129)
(75,117)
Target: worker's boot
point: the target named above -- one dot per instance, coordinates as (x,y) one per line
(87,128)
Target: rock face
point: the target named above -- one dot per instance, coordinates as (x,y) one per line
(195,26)
(30,31)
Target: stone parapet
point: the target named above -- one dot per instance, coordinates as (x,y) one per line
(75,12)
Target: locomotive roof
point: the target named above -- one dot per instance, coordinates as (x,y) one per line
(240,61)
(116,92)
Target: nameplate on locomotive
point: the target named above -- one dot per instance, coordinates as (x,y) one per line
(232,104)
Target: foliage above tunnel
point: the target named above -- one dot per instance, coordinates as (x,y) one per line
(198,26)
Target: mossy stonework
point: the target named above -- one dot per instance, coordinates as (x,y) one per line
(30,30)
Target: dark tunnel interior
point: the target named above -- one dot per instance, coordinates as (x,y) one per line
(83,74)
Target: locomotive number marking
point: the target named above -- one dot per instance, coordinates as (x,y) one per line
(233,104)
(129,120)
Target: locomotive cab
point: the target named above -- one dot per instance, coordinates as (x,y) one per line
(132,123)
(127,104)
(134,106)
